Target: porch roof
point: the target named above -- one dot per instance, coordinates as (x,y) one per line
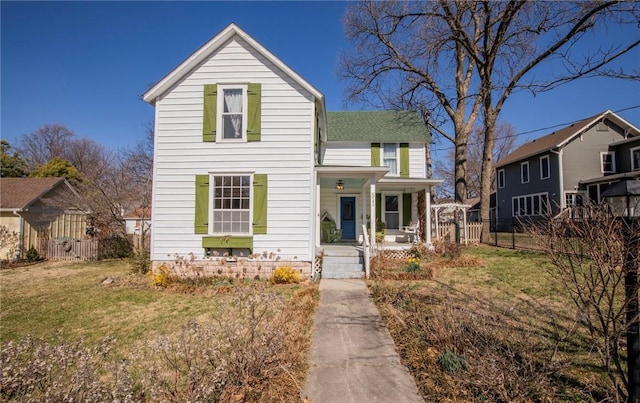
(334,171)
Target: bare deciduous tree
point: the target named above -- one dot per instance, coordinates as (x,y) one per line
(505,143)
(443,55)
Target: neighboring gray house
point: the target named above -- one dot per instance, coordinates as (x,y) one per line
(625,159)
(544,175)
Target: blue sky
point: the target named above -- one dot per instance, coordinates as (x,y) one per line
(85,64)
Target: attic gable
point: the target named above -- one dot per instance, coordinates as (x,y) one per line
(208,49)
(561,137)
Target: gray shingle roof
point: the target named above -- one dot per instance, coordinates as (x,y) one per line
(377,126)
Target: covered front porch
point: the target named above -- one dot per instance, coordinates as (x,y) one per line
(352,200)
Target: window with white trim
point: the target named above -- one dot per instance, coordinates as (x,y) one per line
(232,119)
(635,158)
(500,178)
(530,205)
(573,199)
(390,158)
(231,202)
(545,171)
(524,172)
(608,162)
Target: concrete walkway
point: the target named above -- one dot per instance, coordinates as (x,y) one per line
(352,354)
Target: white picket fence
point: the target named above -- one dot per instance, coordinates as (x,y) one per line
(447,232)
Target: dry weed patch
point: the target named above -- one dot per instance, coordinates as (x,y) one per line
(478,333)
(180,343)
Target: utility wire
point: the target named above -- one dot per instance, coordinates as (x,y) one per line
(535,130)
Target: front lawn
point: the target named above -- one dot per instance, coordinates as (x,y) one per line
(495,327)
(166,336)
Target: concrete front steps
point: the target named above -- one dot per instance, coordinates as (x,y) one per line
(342,263)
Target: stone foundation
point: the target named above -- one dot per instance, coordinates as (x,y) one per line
(240,269)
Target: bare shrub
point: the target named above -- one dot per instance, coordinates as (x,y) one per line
(588,257)
(8,243)
(459,348)
(34,370)
(246,353)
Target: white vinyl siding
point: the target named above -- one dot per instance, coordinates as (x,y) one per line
(359,154)
(284,153)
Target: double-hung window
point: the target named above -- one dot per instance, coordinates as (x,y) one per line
(544,167)
(635,158)
(524,172)
(231,204)
(390,157)
(608,162)
(500,178)
(232,105)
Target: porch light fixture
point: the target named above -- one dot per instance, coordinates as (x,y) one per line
(339,185)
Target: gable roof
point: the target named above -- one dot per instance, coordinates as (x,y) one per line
(377,126)
(561,137)
(20,193)
(206,50)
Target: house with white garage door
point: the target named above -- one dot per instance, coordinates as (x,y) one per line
(251,172)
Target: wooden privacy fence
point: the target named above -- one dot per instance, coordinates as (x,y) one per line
(447,232)
(73,249)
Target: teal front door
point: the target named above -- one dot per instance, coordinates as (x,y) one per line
(348,217)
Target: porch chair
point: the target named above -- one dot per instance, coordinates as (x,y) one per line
(329,231)
(412,231)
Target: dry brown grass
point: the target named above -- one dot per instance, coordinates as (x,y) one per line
(514,341)
(59,304)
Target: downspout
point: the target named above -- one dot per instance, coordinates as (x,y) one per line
(561,176)
(19,251)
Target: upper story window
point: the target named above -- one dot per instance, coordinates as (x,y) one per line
(232,105)
(500,179)
(608,162)
(524,172)
(635,158)
(390,157)
(545,172)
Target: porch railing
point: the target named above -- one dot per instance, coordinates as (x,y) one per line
(366,249)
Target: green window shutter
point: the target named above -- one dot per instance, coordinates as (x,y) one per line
(404,160)
(375,154)
(379,207)
(254,111)
(209,112)
(202,204)
(406,209)
(227,242)
(259,204)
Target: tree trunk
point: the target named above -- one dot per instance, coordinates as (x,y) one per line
(460,170)
(486,172)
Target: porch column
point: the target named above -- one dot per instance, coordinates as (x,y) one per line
(464,223)
(364,210)
(317,231)
(372,206)
(427,219)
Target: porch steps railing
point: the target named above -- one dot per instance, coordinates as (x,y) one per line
(342,263)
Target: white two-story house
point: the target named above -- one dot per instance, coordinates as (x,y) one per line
(248,162)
